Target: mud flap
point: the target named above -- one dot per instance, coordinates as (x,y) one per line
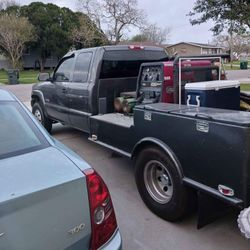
(210,209)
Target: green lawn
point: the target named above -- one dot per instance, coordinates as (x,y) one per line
(228,67)
(25,76)
(245,87)
(236,65)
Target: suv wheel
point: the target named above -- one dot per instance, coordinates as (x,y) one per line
(41,117)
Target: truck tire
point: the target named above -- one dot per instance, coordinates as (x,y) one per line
(38,112)
(160,184)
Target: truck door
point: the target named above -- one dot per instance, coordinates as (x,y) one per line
(56,98)
(78,92)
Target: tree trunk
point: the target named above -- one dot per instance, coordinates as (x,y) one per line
(42,63)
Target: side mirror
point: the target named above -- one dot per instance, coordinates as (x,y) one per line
(44,77)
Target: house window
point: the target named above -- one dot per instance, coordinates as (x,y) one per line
(26,51)
(183,50)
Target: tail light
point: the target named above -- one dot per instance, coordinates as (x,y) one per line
(135,47)
(103,220)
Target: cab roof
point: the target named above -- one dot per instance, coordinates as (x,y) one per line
(114,48)
(6,95)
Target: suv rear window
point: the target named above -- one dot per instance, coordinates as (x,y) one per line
(18,134)
(126,63)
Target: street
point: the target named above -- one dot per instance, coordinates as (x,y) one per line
(140,228)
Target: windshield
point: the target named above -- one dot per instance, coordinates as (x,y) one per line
(18,134)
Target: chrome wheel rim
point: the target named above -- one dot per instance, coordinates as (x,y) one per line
(38,115)
(158,181)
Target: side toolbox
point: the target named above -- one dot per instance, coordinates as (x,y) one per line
(212,145)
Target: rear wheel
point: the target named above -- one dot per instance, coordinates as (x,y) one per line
(160,184)
(41,117)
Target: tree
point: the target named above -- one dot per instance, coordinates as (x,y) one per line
(232,15)
(139,38)
(117,15)
(14,33)
(87,34)
(235,42)
(53,26)
(152,33)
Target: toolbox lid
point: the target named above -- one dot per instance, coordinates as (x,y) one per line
(240,118)
(213,85)
(235,117)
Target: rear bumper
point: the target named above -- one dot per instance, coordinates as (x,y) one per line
(115,243)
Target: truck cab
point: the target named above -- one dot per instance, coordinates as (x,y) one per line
(87,81)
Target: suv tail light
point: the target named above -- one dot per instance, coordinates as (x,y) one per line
(103,220)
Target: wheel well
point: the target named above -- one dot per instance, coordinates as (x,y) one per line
(34,99)
(143,145)
(151,142)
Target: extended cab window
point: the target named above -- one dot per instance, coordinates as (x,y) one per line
(82,65)
(64,70)
(126,63)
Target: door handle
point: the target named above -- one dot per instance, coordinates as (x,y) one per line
(64,90)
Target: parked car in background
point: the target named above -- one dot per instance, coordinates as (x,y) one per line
(50,198)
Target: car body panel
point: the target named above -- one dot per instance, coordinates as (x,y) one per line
(6,96)
(42,201)
(114,243)
(44,197)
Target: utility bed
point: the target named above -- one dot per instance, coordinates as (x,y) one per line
(212,145)
(116,119)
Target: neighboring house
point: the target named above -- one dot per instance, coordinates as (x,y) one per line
(31,60)
(189,48)
(4,62)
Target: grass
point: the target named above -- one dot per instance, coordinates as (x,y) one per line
(228,67)
(245,87)
(25,76)
(236,65)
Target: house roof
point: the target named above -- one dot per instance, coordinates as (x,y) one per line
(201,45)
(142,44)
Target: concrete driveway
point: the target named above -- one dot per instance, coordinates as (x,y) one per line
(242,75)
(139,227)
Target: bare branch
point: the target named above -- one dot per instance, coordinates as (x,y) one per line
(117,15)
(14,33)
(238,43)
(153,33)
(87,33)
(7,3)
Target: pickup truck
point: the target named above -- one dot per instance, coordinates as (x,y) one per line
(183,155)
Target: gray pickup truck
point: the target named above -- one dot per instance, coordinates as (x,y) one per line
(183,155)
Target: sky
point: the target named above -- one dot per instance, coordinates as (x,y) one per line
(165,13)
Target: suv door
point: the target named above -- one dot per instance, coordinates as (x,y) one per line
(78,92)
(57,103)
